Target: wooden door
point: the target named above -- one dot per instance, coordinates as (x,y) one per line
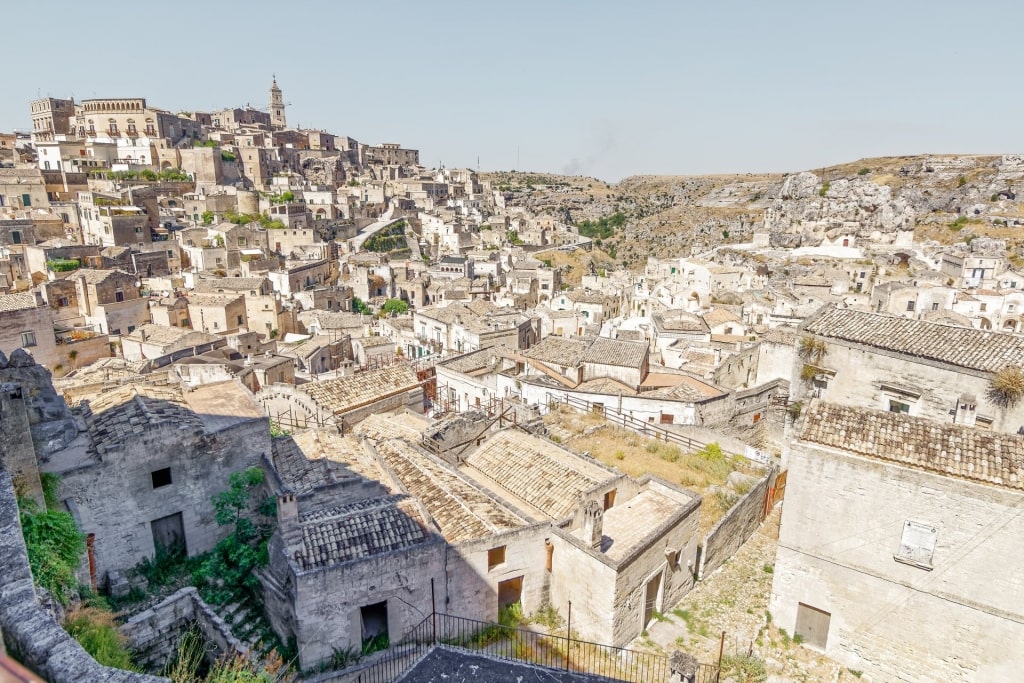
(651,598)
(169,534)
(812,623)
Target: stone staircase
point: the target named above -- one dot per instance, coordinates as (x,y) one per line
(247,623)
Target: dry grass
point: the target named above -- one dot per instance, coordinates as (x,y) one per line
(637,455)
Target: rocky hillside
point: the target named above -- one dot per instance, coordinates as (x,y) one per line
(945,198)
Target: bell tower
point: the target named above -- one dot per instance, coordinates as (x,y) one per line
(277,119)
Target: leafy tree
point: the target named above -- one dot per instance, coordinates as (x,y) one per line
(359,307)
(395,306)
(207,217)
(228,573)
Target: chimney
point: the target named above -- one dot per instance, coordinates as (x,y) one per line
(288,520)
(966,413)
(593,523)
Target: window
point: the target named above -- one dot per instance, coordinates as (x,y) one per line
(215,325)
(495,557)
(917,545)
(161,478)
(239,320)
(16,237)
(910,305)
(138,228)
(26,200)
(812,623)
(119,295)
(898,407)
(609,499)
(63,302)
(28,339)
(935,306)
(984,307)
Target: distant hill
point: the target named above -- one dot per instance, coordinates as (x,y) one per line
(946,198)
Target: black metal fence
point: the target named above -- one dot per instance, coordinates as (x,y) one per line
(523,645)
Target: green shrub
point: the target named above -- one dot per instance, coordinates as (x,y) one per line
(961,181)
(824,189)
(54,543)
(745,668)
(958,223)
(864,171)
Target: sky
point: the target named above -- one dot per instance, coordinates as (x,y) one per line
(588,87)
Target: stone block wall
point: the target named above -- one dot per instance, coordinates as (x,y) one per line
(30,632)
(733,530)
(153,635)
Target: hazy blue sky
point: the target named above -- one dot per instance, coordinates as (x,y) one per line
(601,88)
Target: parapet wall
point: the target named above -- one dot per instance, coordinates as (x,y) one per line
(30,633)
(153,635)
(733,530)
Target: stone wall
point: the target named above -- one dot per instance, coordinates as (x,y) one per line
(116,499)
(951,620)
(733,530)
(153,635)
(30,632)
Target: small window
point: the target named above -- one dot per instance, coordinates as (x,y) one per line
(984,307)
(935,306)
(26,200)
(28,339)
(898,407)
(495,557)
(63,302)
(119,295)
(910,305)
(239,320)
(161,478)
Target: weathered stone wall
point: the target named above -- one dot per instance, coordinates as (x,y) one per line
(585,576)
(733,530)
(29,631)
(153,635)
(327,603)
(842,525)
(675,538)
(35,320)
(473,586)
(862,375)
(115,498)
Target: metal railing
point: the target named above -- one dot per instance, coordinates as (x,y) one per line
(628,422)
(522,645)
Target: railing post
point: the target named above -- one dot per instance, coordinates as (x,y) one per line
(433,613)
(568,636)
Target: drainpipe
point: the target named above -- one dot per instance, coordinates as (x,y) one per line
(90,541)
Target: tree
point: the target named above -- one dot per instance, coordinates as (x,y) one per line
(395,306)
(207,217)
(359,307)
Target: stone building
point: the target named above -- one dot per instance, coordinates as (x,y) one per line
(899,548)
(109,301)
(142,473)
(377,525)
(922,368)
(25,323)
(343,401)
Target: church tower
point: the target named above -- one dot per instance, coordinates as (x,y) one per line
(277,120)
